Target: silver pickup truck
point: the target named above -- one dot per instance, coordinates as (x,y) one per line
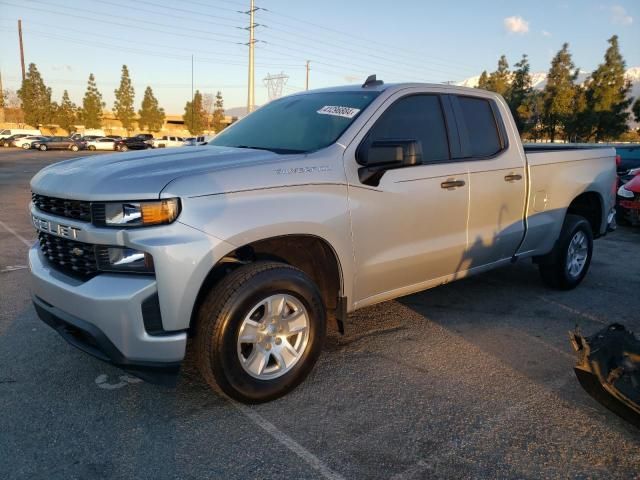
(313,206)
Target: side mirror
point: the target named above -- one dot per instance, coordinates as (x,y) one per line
(379,156)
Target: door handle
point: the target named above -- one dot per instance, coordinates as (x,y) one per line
(512,177)
(451,184)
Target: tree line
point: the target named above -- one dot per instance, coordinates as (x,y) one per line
(33,104)
(596,110)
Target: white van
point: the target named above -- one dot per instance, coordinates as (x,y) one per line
(15,131)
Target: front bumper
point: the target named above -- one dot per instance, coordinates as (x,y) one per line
(103,316)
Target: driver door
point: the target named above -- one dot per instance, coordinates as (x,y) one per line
(410,230)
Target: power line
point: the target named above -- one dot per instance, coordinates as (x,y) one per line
(81,41)
(393,50)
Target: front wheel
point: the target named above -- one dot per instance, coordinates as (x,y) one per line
(260,331)
(74,148)
(26,146)
(43,148)
(124,148)
(92,148)
(568,263)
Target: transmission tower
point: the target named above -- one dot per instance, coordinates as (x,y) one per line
(275,84)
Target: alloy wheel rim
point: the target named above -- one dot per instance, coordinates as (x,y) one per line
(273,336)
(577,254)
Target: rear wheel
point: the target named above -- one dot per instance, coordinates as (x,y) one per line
(124,148)
(75,148)
(43,148)
(26,146)
(260,331)
(567,265)
(92,148)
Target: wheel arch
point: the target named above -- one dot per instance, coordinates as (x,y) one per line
(310,253)
(589,205)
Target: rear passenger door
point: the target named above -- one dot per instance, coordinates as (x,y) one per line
(409,229)
(497,181)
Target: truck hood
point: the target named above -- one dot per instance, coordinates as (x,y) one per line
(141,175)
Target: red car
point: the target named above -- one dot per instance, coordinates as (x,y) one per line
(629,198)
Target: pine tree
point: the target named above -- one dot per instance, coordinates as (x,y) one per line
(36,98)
(65,115)
(218,113)
(194,115)
(559,93)
(123,105)
(92,105)
(607,99)
(483,81)
(519,91)
(151,116)
(499,80)
(636,110)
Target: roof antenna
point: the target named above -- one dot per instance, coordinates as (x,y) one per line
(371,81)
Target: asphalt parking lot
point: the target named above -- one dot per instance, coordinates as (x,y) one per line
(470,380)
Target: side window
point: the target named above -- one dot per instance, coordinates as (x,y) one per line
(482,129)
(416,117)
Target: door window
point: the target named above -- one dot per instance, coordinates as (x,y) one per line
(416,117)
(482,130)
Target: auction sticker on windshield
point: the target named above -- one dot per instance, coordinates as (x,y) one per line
(337,111)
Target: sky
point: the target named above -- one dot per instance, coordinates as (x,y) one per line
(344,40)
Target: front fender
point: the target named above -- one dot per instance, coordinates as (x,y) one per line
(242,218)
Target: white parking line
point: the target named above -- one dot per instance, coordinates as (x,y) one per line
(575,311)
(16,234)
(313,461)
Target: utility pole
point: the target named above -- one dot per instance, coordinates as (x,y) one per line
(193,104)
(1,100)
(306,84)
(251,93)
(21,48)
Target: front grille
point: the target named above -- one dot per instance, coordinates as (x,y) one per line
(76,209)
(75,258)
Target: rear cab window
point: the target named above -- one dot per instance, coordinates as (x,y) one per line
(483,138)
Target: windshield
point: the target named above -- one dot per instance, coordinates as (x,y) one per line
(297,124)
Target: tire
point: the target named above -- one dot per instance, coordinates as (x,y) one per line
(74,148)
(92,148)
(225,362)
(124,148)
(555,268)
(43,148)
(26,146)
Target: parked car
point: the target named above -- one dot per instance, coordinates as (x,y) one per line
(311,207)
(101,143)
(115,137)
(58,143)
(628,205)
(133,143)
(168,142)
(27,142)
(145,137)
(90,133)
(197,141)
(629,158)
(8,132)
(8,141)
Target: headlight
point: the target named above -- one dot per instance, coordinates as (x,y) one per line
(624,193)
(123,259)
(137,214)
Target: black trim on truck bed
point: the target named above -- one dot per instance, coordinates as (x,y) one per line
(92,340)
(553,147)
